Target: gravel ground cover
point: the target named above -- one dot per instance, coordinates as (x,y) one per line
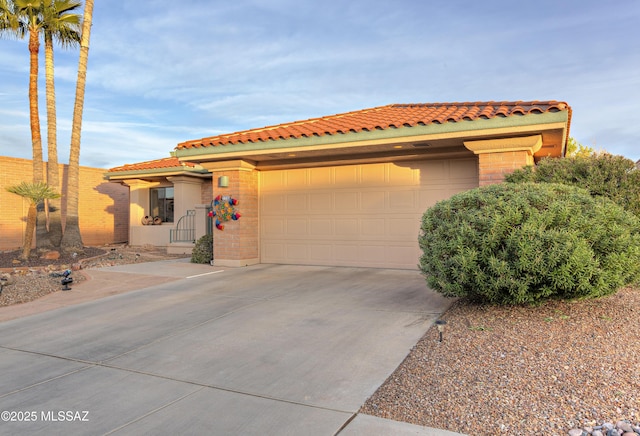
(37,277)
(522,370)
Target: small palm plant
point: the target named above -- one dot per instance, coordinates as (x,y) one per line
(35,193)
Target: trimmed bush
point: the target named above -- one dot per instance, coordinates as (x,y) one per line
(203,250)
(525,243)
(602,174)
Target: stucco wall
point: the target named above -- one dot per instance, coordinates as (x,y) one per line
(103,206)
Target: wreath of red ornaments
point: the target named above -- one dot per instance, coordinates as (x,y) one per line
(224,210)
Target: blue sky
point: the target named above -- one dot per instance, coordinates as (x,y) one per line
(162,72)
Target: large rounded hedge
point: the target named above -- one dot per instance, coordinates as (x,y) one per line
(524,243)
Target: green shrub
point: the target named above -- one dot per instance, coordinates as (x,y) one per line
(525,243)
(602,174)
(203,250)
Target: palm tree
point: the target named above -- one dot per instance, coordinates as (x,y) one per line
(35,192)
(62,25)
(27,13)
(72,240)
(9,23)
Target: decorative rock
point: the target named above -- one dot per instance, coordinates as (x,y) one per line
(629,433)
(624,426)
(597,433)
(7,279)
(613,432)
(575,432)
(51,255)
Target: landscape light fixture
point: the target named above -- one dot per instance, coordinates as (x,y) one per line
(223,181)
(66,279)
(440,326)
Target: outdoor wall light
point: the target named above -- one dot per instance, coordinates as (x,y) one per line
(223,181)
(440,326)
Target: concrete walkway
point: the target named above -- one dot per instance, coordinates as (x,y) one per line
(176,348)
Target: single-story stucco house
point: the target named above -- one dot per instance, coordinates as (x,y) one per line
(346,189)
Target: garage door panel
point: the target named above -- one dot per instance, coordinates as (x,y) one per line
(346,175)
(322,227)
(355,215)
(372,201)
(372,227)
(321,201)
(297,251)
(346,253)
(321,253)
(403,228)
(374,175)
(403,175)
(402,200)
(273,179)
(296,227)
(347,201)
(320,178)
(296,178)
(347,228)
(272,204)
(403,256)
(372,254)
(274,251)
(296,202)
(273,227)
(433,171)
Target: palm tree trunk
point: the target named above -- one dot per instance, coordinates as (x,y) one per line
(72,240)
(28,234)
(36,139)
(53,237)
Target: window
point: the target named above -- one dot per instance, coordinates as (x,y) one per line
(161,203)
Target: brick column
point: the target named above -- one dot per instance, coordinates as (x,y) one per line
(499,157)
(239,243)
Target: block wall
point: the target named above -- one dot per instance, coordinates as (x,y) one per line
(493,167)
(239,241)
(103,207)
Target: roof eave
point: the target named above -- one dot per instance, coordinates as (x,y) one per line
(156,172)
(478,127)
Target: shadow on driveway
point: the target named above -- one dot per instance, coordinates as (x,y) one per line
(267,349)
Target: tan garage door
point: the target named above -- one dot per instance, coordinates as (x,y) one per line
(354,215)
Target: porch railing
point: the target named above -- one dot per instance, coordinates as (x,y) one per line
(185,230)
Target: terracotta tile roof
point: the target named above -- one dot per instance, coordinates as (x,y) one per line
(382,118)
(165,163)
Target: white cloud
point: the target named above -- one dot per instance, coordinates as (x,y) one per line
(184,70)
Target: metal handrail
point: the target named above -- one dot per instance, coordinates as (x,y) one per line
(185,230)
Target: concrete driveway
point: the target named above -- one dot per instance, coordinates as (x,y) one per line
(267,349)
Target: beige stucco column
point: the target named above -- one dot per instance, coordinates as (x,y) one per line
(186,194)
(138,207)
(499,157)
(239,243)
(138,199)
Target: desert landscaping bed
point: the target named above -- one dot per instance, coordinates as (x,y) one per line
(522,370)
(37,277)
